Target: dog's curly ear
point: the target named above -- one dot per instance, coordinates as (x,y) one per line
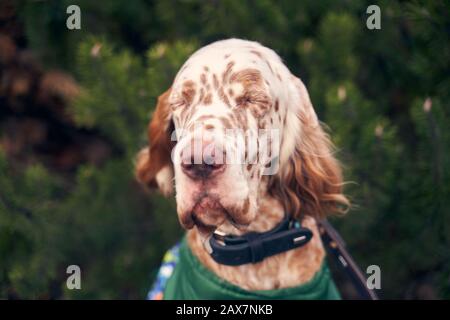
(153,164)
(310,177)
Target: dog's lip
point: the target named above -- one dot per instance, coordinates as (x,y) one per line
(240,227)
(235,224)
(228,216)
(203,227)
(206,230)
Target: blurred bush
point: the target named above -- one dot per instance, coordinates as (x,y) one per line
(73,114)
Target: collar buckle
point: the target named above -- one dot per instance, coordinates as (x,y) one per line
(220,236)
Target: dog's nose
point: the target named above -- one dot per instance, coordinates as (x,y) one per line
(203,162)
(207,168)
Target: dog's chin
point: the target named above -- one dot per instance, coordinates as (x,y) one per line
(207,215)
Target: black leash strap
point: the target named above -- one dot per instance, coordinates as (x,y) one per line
(336,246)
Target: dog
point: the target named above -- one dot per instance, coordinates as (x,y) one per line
(239,84)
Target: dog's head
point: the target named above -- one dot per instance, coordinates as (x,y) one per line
(236,126)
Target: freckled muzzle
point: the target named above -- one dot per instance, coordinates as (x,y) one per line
(213,178)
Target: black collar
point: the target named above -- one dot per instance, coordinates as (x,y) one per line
(254,247)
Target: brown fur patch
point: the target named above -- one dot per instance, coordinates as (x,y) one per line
(188,91)
(205,117)
(246,206)
(226,122)
(203,78)
(247,77)
(227,72)
(256,100)
(208,99)
(223,97)
(153,158)
(261,124)
(215,81)
(202,95)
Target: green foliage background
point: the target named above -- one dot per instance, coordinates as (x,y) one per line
(368,86)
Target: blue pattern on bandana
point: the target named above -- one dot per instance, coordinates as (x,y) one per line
(165,271)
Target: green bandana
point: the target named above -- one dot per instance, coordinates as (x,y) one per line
(191,280)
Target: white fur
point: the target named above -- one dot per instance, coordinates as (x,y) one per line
(164,179)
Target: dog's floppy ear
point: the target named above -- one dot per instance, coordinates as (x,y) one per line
(153,164)
(310,179)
